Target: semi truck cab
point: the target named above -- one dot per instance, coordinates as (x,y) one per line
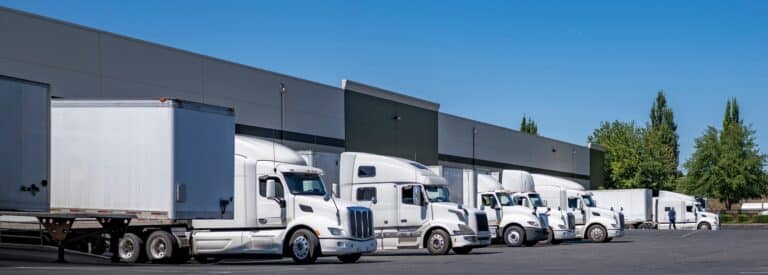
(690,213)
(281,208)
(411,205)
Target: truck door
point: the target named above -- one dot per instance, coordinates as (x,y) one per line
(382,199)
(411,214)
(690,214)
(575,205)
(492,209)
(270,211)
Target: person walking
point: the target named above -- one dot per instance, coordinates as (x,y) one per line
(672,216)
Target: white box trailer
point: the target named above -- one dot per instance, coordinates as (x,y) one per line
(635,204)
(24,145)
(156,159)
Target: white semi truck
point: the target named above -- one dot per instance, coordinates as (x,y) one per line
(644,211)
(562,224)
(169,163)
(411,205)
(592,222)
(514,224)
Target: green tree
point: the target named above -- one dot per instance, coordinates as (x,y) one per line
(727,164)
(529,126)
(624,148)
(658,168)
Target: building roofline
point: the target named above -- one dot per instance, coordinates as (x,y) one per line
(349,85)
(99,31)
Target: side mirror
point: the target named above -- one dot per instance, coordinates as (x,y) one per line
(271,186)
(374,200)
(335,189)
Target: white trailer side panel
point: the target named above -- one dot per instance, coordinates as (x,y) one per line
(24,145)
(140,156)
(636,204)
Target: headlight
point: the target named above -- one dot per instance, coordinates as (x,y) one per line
(460,215)
(533,223)
(336,231)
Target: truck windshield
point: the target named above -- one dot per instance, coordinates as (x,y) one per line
(505,199)
(304,184)
(536,200)
(437,193)
(588,201)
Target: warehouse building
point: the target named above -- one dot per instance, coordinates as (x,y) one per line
(79,62)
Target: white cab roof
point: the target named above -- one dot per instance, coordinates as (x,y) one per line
(546,180)
(391,169)
(517,181)
(260,149)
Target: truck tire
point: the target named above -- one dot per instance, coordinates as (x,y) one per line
(304,247)
(462,250)
(514,236)
(131,249)
(438,242)
(350,258)
(597,233)
(162,247)
(705,226)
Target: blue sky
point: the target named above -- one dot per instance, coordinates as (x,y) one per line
(568,64)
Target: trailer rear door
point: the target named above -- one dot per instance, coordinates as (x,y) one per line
(24,145)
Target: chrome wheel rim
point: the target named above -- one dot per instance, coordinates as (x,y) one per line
(513,237)
(596,233)
(437,241)
(127,248)
(159,249)
(301,247)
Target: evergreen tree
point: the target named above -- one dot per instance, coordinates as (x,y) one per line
(727,164)
(658,168)
(529,126)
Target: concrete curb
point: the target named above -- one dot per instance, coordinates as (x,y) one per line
(754,226)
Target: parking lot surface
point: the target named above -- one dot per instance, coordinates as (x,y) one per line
(640,252)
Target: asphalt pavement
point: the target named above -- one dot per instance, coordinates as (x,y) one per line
(640,252)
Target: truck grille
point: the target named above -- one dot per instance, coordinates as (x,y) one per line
(571,221)
(621,220)
(482,222)
(360,222)
(543,220)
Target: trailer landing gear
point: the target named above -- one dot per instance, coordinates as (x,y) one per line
(60,225)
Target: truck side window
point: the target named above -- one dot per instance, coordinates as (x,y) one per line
(407,194)
(689,208)
(518,200)
(366,171)
(366,193)
(263,189)
(573,203)
(489,201)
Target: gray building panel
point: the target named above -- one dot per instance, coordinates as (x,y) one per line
(500,147)
(383,122)
(82,62)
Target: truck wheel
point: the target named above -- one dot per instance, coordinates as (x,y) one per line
(597,233)
(350,258)
(439,243)
(131,249)
(462,250)
(304,247)
(705,226)
(514,236)
(161,247)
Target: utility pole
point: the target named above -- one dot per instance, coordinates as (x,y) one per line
(473,199)
(283,91)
